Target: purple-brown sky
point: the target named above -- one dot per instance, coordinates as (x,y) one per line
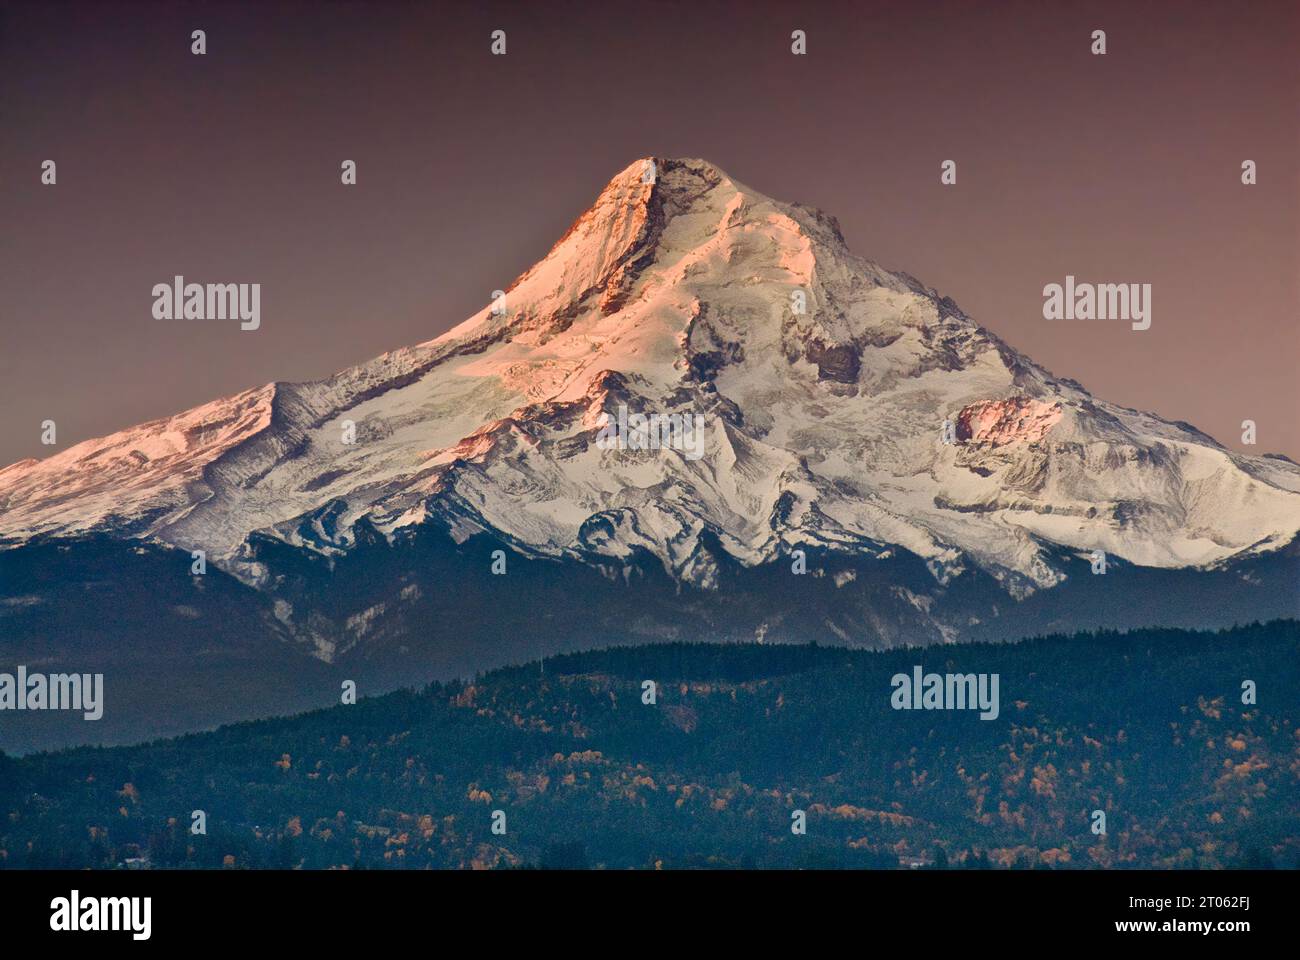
(225,168)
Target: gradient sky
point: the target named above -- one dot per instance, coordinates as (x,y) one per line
(225,168)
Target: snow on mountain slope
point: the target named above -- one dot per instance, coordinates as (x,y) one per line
(823,427)
(126,480)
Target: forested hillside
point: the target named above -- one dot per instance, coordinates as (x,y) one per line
(1149,727)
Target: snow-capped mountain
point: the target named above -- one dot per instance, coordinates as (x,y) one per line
(676,293)
(940,485)
(824,383)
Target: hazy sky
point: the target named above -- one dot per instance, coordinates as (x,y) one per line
(225,168)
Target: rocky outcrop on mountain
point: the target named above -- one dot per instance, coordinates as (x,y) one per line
(998,422)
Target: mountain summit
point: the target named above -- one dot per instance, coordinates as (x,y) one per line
(849,411)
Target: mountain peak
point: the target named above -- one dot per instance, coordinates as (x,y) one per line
(675,176)
(845,406)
